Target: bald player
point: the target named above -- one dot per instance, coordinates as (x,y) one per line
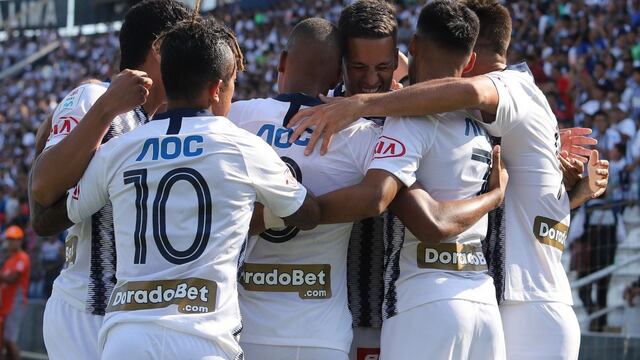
(293,297)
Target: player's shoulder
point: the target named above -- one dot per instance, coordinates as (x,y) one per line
(361,127)
(247,110)
(86,92)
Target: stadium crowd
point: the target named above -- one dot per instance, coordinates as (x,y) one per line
(585,55)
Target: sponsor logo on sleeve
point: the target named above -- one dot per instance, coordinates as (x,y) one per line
(455,257)
(310,281)
(76,192)
(191,295)
(388,147)
(550,232)
(63,125)
(69,102)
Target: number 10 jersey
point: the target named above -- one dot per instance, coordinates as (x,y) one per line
(183,189)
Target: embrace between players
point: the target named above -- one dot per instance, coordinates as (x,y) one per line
(192,203)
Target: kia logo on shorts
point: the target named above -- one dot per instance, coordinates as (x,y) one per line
(389,147)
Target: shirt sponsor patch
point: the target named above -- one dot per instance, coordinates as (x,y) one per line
(310,281)
(456,257)
(192,295)
(550,232)
(388,147)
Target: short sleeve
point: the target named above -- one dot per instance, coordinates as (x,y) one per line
(91,192)
(402,145)
(361,143)
(508,106)
(71,110)
(236,112)
(275,186)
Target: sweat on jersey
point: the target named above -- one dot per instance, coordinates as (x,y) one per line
(88,276)
(182,188)
(312,311)
(536,203)
(450,155)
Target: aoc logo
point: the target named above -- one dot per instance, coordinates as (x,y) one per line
(388,147)
(550,232)
(310,281)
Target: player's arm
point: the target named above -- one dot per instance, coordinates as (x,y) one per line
(276,188)
(432,221)
(366,199)
(51,220)
(431,97)
(61,166)
(592,186)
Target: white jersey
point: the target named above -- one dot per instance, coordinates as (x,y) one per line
(89,273)
(182,193)
(536,203)
(313,312)
(450,155)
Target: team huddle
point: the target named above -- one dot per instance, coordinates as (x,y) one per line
(428,225)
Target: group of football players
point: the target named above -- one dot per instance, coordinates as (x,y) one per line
(202,229)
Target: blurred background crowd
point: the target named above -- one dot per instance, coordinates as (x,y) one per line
(584,54)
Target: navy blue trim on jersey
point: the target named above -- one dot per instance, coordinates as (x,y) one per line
(338,91)
(296,100)
(176,115)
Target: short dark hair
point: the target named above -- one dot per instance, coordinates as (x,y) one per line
(142,25)
(369,19)
(313,31)
(450,25)
(495,24)
(195,53)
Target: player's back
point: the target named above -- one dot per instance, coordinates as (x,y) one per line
(183,193)
(450,155)
(319,255)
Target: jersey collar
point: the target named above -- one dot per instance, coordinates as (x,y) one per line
(182,113)
(299,98)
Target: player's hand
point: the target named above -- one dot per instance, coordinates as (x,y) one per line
(127,90)
(499,177)
(598,174)
(572,170)
(396,85)
(573,142)
(336,114)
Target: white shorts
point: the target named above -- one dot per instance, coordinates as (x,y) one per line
(147,341)
(69,333)
(540,331)
(365,344)
(446,329)
(273,352)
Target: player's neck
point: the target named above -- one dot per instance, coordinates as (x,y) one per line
(187,103)
(301,87)
(486,63)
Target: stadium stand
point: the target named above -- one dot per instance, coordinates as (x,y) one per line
(585,55)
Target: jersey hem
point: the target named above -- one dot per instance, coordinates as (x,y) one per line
(299,342)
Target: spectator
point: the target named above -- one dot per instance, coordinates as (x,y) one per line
(14,280)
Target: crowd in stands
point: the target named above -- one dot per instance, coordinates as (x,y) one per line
(585,56)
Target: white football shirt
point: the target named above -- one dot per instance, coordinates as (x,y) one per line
(182,192)
(313,312)
(88,277)
(536,203)
(450,155)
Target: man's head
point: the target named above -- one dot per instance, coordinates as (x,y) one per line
(369,33)
(143,23)
(495,31)
(444,41)
(311,61)
(14,236)
(200,58)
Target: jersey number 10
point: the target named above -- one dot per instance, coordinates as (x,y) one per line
(138,178)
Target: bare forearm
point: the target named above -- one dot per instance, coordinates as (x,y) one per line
(61,167)
(426,98)
(432,221)
(307,217)
(580,193)
(349,204)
